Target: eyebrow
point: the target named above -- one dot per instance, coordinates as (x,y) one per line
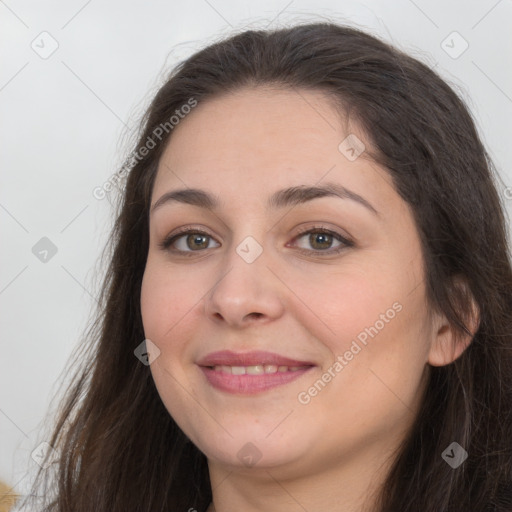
(282,198)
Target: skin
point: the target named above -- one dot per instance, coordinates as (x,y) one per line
(335,449)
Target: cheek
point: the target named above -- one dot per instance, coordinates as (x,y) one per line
(172,305)
(371,319)
(167,305)
(157,302)
(339,307)
(373,381)
(165,300)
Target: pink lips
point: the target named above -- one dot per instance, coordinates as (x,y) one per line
(265,370)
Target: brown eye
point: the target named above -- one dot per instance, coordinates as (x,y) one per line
(188,241)
(321,241)
(197,241)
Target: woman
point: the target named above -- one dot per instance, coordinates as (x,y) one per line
(308,305)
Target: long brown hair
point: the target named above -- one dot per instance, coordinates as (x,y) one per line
(119,449)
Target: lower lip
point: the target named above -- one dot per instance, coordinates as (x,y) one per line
(249,384)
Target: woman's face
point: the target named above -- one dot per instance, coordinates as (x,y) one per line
(291,318)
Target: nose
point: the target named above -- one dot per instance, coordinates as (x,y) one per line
(246,293)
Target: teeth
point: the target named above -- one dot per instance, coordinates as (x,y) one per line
(258,369)
(238,370)
(254,370)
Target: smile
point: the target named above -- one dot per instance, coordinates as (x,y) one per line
(250,372)
(258,369)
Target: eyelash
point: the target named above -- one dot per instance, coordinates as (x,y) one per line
(168,241)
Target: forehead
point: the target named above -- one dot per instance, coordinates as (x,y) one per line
(256,140)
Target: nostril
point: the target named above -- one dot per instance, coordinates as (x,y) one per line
(248,316)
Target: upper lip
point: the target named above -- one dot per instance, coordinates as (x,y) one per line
(257,357)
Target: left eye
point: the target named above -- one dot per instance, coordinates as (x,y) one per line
(321,240)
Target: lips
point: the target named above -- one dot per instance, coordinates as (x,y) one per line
(228,358)
(250,372)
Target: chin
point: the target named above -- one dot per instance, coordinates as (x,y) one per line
(251,447)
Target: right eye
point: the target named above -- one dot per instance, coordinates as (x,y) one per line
(187,241)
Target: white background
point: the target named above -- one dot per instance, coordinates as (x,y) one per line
(64,122)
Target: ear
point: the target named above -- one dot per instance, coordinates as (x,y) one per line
(448,342)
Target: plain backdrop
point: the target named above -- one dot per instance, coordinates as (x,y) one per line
(74,80)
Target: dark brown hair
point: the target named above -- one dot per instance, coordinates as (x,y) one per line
(119,449)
